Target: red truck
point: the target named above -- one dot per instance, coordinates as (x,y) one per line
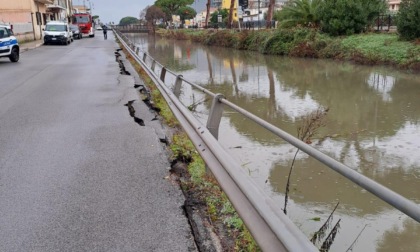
(85,22)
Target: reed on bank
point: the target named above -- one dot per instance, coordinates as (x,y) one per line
(368,48)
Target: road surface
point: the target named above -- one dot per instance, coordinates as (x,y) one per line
(76,172)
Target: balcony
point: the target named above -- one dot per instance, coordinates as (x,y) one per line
(45,1)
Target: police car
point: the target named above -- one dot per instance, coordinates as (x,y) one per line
(9,46)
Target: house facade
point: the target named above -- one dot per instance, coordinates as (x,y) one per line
(253,11)
(394,5)
(28,17)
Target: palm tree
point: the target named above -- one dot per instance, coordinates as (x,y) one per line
(270,13)
(207,12)
(300,12)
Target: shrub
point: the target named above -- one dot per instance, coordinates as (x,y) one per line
(253,40)
(408,19)
(346,17)
(279,42)
(299,12)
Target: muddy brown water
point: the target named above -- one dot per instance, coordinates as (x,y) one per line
(373,126)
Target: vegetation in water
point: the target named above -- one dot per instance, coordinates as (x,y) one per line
(311,123)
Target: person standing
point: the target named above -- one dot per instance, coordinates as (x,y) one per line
(105,30)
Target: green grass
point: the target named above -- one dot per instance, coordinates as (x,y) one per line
(381,47)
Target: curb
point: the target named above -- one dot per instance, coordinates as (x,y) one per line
(27,48)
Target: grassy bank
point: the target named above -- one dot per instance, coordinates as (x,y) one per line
(370,48)
(199,188)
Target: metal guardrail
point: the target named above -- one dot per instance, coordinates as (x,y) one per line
(272,230)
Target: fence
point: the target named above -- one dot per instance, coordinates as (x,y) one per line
(272,230)
(132,28)
(385,23)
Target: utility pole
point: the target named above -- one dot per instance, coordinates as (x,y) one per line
(90,7)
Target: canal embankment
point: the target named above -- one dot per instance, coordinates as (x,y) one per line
(367,49)
(215,223)
(371,118)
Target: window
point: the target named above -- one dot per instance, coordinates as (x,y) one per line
(38,18)
(3,33)
(56,28)
(81,19)
(44,17)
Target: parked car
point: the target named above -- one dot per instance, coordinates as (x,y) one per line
(99,28)
(9,46)
(57,32)
(77,31)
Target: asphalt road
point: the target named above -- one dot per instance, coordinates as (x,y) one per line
(76,172)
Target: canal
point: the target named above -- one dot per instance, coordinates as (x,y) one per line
(372,125)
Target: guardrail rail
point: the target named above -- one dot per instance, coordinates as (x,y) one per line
(270,227)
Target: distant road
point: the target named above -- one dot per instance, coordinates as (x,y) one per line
(76,172)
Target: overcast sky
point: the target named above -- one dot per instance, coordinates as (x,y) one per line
(115,10)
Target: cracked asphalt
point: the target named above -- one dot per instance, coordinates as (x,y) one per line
(77,173)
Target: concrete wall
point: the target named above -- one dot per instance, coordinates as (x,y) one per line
(15,11)
(18,14)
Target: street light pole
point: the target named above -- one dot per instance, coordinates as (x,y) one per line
(86,7)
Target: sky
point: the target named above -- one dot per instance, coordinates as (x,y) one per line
(115,10)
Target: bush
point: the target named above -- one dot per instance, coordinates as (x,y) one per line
(279,42)
(254,39)
(346,17)
(408,19)
(299,12)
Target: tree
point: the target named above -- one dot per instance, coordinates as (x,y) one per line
(186,13)
(223,12)
(153,15)
(95,17)
(232,5)
(270,13)
(408,19)
(170,7)
(346,17)
(207,12)
(128,20)
(300,12)
(142,14)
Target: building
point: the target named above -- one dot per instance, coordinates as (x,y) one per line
(200,19)
(28,17)
(394,5)
(81,9)
(253,11)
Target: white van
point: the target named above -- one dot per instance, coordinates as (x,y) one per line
(9,46)
(57,32)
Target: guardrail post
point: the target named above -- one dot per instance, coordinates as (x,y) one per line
(144,57)
(215,115)
(177,86)
(162,74)
(153,65)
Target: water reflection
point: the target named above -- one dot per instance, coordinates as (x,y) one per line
(373,126)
